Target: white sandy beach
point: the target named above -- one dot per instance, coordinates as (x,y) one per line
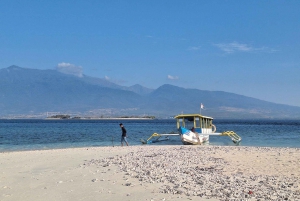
(151,173)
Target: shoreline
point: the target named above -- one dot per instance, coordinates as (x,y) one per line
(141,145)
(151,173)
(137,118)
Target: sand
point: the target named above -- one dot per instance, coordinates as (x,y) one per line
(151,173)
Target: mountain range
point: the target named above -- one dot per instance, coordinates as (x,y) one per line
(31,91)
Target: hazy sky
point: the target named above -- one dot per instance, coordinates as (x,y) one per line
(250,48)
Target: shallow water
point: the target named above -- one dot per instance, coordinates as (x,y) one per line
(31,134)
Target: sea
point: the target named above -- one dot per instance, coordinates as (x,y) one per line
(41,134)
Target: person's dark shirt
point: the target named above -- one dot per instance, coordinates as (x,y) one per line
(123,132)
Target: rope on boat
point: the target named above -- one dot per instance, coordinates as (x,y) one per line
(234,137)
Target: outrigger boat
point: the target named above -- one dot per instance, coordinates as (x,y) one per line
(199,132)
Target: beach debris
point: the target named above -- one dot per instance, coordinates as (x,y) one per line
(128,184)
(194,171)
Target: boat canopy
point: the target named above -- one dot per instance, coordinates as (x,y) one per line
(197,120)
(187,116)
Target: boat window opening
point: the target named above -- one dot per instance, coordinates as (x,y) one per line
(181,123)
(188,123)
(190,118)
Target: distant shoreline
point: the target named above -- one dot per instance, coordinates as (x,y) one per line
(133,118)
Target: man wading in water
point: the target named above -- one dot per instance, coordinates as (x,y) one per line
(123,135)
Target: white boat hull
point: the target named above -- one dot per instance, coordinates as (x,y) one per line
(193,138)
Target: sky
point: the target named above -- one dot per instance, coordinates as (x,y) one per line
(250,48)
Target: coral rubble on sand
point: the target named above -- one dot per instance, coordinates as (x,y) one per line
(199,171)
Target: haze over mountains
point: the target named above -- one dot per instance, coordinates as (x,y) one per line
(31,91)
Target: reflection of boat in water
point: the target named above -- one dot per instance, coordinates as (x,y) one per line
(194,129)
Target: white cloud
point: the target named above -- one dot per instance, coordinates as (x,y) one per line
(234,47)
(71,69)
(171,77)
(106,77)
(240,47)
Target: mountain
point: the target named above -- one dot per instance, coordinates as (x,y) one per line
(24,91)
(30,91)
(217,104)
(139,89)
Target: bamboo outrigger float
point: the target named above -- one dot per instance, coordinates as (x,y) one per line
(194,129)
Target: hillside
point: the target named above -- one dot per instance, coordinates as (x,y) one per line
(31,91)
(217,104)
(24,91)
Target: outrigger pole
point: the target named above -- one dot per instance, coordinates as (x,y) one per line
(157,137)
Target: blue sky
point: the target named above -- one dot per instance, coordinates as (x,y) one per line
(250,48)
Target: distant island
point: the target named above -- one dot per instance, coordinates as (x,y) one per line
(64,116)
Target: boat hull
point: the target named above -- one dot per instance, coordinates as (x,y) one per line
(192,138)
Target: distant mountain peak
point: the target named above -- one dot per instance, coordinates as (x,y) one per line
(172,86)
(139,89)
(70,69)
(136,85)
(14,67)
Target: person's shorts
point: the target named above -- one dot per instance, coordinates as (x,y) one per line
(123,139)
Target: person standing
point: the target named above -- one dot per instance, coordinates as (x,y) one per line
(123,138)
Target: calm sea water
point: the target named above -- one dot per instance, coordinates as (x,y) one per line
(51,134)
